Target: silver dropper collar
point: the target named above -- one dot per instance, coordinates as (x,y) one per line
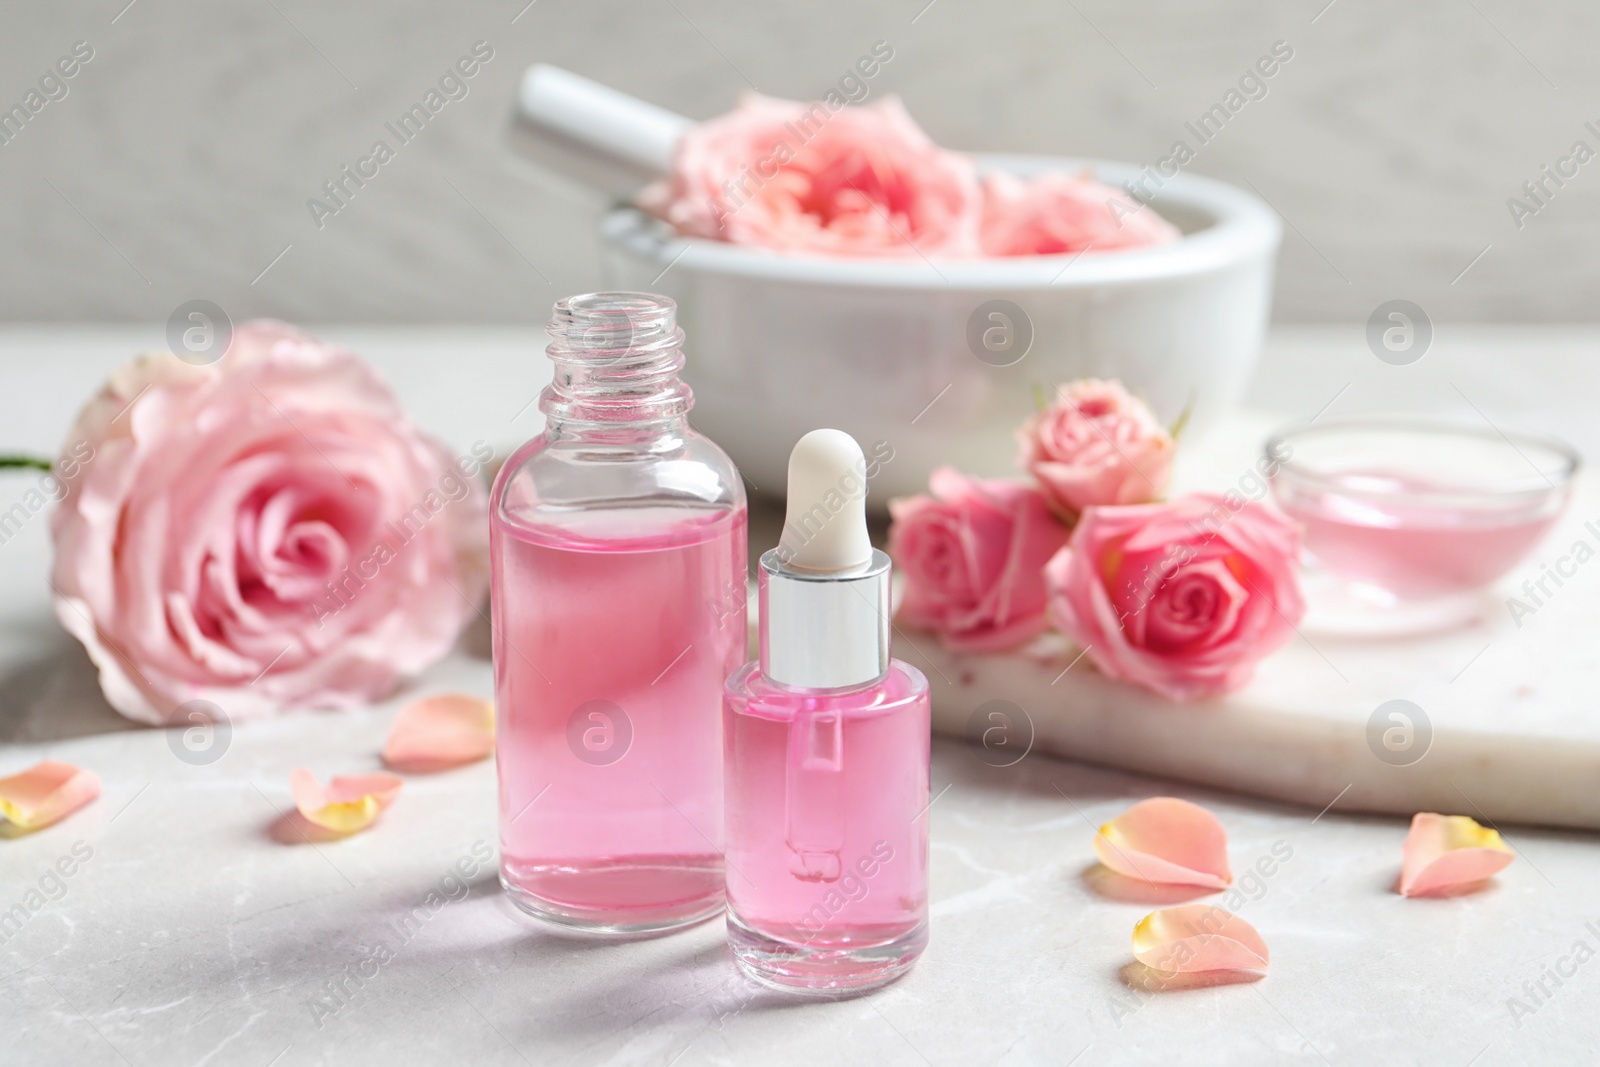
(824,629)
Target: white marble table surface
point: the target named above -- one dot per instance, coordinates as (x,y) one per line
(189,932)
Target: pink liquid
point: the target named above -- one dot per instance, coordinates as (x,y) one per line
(1416,551)
(610,656)
(827,846)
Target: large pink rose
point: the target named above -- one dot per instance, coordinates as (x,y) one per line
(972,555)
(1183,597)
(1058,213)
(856,181)
(263,533)
(1096,444)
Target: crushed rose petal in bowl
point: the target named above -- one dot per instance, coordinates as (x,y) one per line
(837,267)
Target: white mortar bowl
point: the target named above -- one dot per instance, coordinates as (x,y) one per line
(778,345)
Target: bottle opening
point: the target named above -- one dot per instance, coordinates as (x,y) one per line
(614,326)
(617,357)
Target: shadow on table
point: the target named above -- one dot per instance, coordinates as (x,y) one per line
(690,977)
(1138,977)
(1106,883)
(292,828)
(541,989)
(56,696)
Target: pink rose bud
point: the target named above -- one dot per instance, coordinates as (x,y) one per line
(972,556)
(1058,213)
(265,532)
(792,177)
(1096,444)
(1183,598)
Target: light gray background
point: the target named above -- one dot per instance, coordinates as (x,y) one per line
(180,164)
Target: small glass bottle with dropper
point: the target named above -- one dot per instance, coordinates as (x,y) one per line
(826,753)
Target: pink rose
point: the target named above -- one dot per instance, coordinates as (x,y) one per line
(855,181)
(266,532)
(1182,598)
(1096,444)
(973,557)
(1059,213)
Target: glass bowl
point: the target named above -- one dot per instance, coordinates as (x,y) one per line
(1407,520)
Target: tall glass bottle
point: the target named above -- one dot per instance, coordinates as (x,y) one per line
(618,540)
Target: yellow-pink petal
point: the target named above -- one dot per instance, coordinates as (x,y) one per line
(1449,852)
(1166,841)
(1198,937)
(347,803)
(45,793)
(440,731)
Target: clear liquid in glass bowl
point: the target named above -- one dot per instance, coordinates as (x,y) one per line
(1406,520)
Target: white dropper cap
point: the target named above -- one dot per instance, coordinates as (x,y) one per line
(824,591)
(825,526)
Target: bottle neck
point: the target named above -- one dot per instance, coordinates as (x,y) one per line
(617,358)
(823,631)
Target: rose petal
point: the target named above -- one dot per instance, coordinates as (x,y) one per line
(347,803)
(45,793)
(440,731)
(1166,841)
(865,182)
(1061,212)
(1444,852)
(1198,937)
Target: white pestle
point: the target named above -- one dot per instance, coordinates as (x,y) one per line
(825,526)
(600,118)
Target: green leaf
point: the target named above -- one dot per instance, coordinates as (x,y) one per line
(1183,417)
(38,463)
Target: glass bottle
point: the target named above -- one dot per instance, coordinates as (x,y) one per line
(618,544)
(826,753)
